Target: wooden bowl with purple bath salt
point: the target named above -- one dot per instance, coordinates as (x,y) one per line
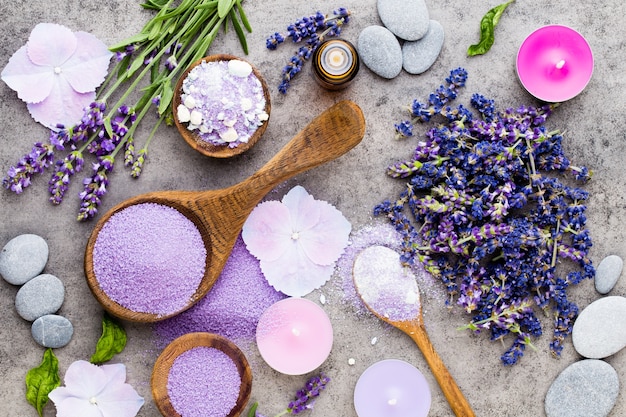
(201,374)
(155,255)
(221,105)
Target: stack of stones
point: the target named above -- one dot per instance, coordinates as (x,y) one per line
(40,296)
(589,387)
(405,21)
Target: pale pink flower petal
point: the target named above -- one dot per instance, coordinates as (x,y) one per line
(32,83)
(63,105)
(325,241)
(294,274)
(74,407)
(302,207)
(86,69)
(96,391)
(51,45)
(297,241)
(267,231)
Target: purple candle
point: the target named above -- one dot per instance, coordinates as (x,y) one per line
(555,63)
(392,388)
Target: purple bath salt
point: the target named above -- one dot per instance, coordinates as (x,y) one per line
(385,285)
(233,306)
(149,258)
(223,102)
(203,382)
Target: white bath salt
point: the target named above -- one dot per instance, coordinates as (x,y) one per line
(374,340)
(385,285)
(351,361)
(322,299)
(239,68)
(229,99)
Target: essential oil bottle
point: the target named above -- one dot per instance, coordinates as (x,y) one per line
(335,64)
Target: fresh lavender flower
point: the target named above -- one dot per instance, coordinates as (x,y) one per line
(95,187)
(305,397)
(36,161)
(306,29)
(138,163)
(480,213)
(65,169)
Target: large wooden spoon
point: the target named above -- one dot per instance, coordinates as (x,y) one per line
(396,302)
(220,214)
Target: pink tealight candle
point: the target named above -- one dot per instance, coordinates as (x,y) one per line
(554,63)
(294,336)
(392,388)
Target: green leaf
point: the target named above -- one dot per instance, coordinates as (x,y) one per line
(40,381)
(108,127)
(166,96)
(243,17)
(240,33)
(112,341)
(223,7)
(138,38)
(487,28)
(252,411)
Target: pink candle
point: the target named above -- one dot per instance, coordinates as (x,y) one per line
(294,336)
(554,63)
(392,388)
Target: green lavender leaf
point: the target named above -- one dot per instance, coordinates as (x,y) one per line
(223,7)
(252,411)
(487,28)
(240,33)
(112,341)
(244,18)
(166,96)
(40,381)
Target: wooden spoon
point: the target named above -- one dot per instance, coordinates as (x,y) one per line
(369,284)
(220,214)
(164,362)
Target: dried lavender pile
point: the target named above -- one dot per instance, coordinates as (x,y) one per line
(487,210)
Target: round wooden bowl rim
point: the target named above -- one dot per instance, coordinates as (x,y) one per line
(164,362)
(125,313)
(192,138)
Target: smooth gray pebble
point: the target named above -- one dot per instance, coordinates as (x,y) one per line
(418,56)
(600,328)
(42,295)
(380,51)
(407,19)
(607,273)
(23,258)
(52,331)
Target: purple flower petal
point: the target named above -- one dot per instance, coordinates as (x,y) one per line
(73,407)
(51,45)
(33,83)
(63,105)
(325,241)
(302,207)
(267,231)
(86,69)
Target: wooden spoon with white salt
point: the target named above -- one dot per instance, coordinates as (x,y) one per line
(394,298)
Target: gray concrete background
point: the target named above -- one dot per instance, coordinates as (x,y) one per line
(594,125)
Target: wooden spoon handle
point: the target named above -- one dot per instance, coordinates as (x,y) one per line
(450,389)
(328,136)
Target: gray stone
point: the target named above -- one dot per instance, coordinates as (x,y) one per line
(600,329)
(52,331)
(23,258)
(42,295)
(608,273)
(407,19)
(586,388)
(380,51)
(418,56)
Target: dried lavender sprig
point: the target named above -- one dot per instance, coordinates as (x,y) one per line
(304,399)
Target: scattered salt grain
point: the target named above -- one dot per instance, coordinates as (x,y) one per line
(322,299)
(351,361)
(229,99)
(385,285)
(374,341)
(149,258)
(233,306)
(203,382)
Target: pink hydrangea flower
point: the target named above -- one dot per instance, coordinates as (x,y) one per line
(297,241)
(96,391)
(57,72)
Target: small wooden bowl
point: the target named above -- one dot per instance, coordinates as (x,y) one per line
(192,137)
(187,342)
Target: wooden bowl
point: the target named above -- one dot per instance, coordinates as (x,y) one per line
(192,137)
(189,341)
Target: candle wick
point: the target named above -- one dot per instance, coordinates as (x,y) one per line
(392,401)
(560,64)
(295,332)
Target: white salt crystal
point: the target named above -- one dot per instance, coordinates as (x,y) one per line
(322,299)
(374,340)
(230,135)
(189,102)
(351,361)
(183,113)
(239,68)
(195,117)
